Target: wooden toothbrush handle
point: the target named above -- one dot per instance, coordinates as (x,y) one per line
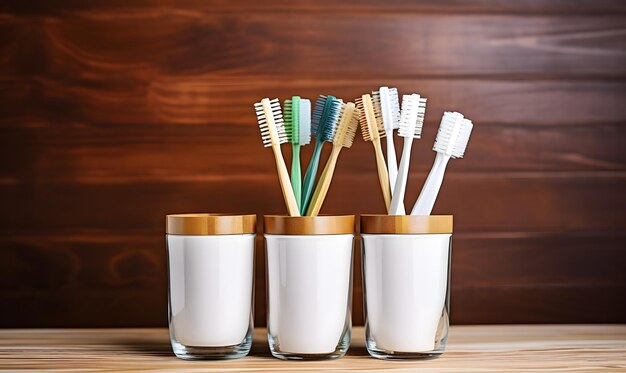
(383,176)
(324,183)
(285,184)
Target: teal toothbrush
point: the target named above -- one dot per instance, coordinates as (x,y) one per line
(298,128)
(324,123)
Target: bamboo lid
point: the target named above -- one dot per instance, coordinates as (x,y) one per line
(406,224)
(210,224)
(308,225)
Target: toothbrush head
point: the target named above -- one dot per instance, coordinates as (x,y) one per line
(453,135)
(270,120)
(371,123)
(412,117)
(292,119)
(387,106)
(305,121)
(348,123)
(325,117)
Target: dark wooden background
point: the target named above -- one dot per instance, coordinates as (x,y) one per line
(115,113)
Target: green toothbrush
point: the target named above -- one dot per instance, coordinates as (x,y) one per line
(325,118)
(298,128)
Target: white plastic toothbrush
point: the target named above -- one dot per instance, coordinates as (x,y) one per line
(386,103)
(452,137)
(411,122)
(273,134)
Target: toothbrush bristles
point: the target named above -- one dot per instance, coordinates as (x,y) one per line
(395,107)
(453,134)
(267,135)
(412,116)
(317,114)
(376,105)
(371,127)
(347,125)
(325,117)
(288,119)
(333,120)
(391,98)
(305,121)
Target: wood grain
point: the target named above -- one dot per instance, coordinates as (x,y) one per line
(115,113)
(161,153)
(567,7)
(542,202)
(583,348)
(110,105)
(192,42)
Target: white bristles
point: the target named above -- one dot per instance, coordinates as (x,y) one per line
(305,121)
(453,135)
(271,123)
(412,117)
(347,125)
(394,102)
(371,122)
(386,105)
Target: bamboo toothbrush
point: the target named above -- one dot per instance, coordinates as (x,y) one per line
(386,102)
(373,130)
(324,123)
(411,122)
(298,130)
(273,134)
(452,137)
(344,136)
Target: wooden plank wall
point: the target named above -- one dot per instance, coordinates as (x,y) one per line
(115,113)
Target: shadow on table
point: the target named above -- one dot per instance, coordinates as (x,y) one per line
(164,348)
(260,348)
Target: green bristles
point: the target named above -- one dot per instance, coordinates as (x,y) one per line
(292,119)
(292,129)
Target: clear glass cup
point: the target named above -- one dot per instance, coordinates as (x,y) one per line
(211,284)
(406,284)
(309,285)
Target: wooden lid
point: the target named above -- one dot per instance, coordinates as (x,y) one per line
(406,224)
(308,225)
(210,224)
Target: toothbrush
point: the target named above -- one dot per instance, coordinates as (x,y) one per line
(386,102)
(344,137)
(373,130)
(324,123)
(273,134)
(298,130)
(411,122)
(452,137)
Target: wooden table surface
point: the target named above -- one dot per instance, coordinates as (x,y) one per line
(504,348)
